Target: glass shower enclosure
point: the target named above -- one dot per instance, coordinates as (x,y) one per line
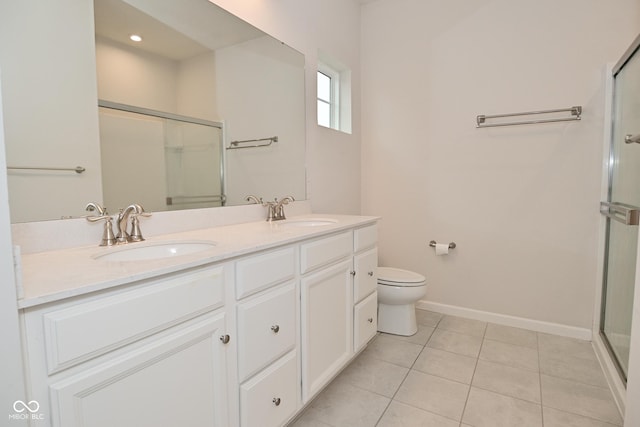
(622,209)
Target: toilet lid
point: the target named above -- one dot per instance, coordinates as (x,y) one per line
(399,277)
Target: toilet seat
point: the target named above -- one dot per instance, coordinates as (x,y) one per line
(398,277)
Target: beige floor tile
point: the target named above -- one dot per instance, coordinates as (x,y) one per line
(401,415)
(434,394)
(444,364)
(463,326)
(374,375)
(393,351)
(554,418)
(514,382)
(488,409)
(582,370)
(421,337)
(581,399)
(511,355)
(554,344)
(454,342)
(344,405)
(428,318)
(510,335)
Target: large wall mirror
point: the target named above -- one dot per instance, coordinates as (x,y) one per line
(202,111)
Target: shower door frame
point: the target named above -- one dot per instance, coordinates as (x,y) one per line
(602,347)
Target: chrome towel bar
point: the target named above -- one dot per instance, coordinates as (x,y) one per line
(433,243)
(234,145)
(77,169)
(626,214)
(575,111)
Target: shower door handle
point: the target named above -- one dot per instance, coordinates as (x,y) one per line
(626,214)
(630,139)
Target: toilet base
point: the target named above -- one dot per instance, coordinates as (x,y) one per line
(397,319)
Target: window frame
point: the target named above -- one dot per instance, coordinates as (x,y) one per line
(334,94)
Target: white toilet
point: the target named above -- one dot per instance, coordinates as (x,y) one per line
(398,291)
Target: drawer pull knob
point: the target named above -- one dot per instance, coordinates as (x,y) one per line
(370,320)
(370,274)
(225,339)
(276,401)
(275,329)
(353,273)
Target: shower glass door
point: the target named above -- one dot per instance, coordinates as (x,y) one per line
(622,209)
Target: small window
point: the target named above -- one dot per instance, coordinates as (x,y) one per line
(325,102)
(334,94)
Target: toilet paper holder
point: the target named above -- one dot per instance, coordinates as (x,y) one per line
(452,245)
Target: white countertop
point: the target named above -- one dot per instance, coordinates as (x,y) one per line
(55,275)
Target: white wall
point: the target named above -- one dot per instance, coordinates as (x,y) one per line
(55,64)
(520,202)
(333,158)
(11,368)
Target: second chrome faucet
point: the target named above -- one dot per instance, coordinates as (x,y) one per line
(275,209)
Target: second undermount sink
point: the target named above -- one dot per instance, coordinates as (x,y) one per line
(308,222)
(150,251)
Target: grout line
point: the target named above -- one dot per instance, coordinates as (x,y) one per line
(466,401)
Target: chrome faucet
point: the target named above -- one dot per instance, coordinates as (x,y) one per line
(275,209)
(132,211)
(108,238)
(279,207)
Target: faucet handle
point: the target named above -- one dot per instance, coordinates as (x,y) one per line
(136,233)
(254,199)
(96,207)
(108,237)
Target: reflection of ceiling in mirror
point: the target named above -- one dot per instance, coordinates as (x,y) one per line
(117,20)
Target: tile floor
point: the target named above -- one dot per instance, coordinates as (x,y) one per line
(458,372)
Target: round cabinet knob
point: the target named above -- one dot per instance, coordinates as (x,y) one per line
(275,329)
(370,274)
(276,401)
(225,339)
(353,273)
(370,320)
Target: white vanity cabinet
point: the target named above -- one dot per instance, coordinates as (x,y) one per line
(243,341)
(152,354)
(338,272)
(267,319)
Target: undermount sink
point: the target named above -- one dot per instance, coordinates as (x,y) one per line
(159,250)
(308,222)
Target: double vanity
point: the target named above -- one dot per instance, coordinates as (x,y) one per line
(235,325)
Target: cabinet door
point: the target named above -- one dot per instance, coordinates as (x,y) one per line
(327,325)
(178,379)
(366,278)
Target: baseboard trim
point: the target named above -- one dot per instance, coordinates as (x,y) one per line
(502,319)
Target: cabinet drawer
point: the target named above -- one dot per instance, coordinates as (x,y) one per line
(325,251)
(89,329)
(365,321)
(266,329)
(271,397)
(264,270)
(365,237)
(366,278)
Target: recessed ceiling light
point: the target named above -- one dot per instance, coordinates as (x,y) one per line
(135,38)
